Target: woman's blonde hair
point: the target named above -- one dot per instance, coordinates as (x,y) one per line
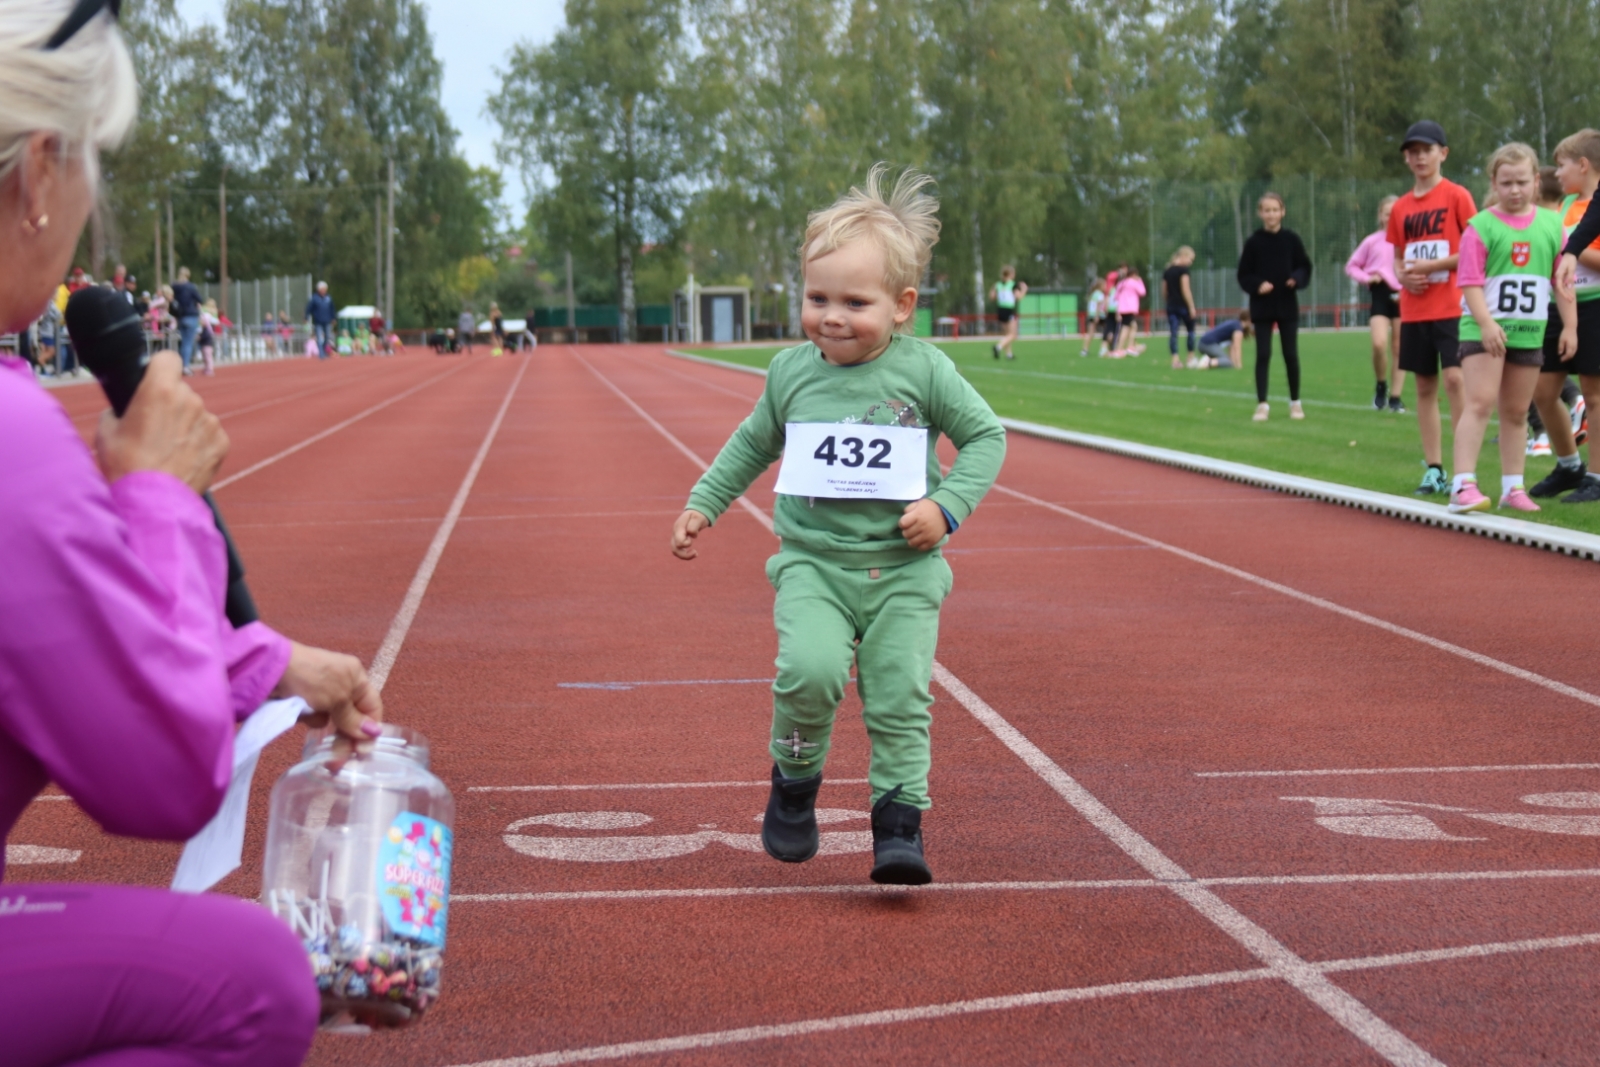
(1513,153)
(1182,252)
(1387,203)
(84,92)
(905,225)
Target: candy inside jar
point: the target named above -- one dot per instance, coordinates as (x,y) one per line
(358,865)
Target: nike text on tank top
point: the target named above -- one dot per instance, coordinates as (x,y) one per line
(1517,273)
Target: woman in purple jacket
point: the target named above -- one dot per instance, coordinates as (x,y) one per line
(120,678)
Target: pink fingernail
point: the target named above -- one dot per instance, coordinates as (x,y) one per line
(371,729)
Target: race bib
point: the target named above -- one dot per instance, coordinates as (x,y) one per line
(1586,278)
(1423,251)
(1517,296)
(854,461)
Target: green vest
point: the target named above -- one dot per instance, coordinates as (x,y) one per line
(1517,277)
(1005,294)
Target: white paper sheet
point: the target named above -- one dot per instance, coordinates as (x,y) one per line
(218,849)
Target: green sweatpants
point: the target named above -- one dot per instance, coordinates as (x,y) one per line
(887,622)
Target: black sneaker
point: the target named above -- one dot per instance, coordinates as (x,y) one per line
(1559,481)
(897,843)
(789,829)
(1396,406)
(1380,398)
(996,351)
(1587,493)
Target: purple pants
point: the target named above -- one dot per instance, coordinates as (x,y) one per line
(115,976)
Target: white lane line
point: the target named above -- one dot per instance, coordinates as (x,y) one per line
(638,785)
(684,681)
(1327,605)
(1403,770)
(1024,887)
(859,888)
(1342,1007)
(1119,383)
(746,1035)
(21,855)
(383,662)
(694,457)
(466,518)
(330,431)
(746,397)
(51,796)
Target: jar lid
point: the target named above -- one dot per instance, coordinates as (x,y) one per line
(393,741)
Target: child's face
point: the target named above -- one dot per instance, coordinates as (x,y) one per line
(1425,159)
(849,313)
(1573,173)
(1271,212)
(1514,186)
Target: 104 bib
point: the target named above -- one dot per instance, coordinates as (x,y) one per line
(854,461)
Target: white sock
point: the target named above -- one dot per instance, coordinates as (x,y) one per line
(1509,482)
(1462,479)
(1570,463)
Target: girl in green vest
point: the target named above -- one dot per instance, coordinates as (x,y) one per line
(1508,255)
(1007,294)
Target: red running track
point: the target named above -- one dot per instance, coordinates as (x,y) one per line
(1220,775)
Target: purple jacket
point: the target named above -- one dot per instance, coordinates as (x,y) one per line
(120,678)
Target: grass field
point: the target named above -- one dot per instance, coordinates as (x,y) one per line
(1341,440)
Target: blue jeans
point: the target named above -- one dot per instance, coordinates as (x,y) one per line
(324,332)
(1176,318)
(188,329)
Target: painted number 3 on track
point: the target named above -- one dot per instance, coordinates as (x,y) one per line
(854,461)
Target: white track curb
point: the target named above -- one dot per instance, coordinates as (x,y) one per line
(1516,531)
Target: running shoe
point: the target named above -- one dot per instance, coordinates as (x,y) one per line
(1587,493)
(1262,412)
(1580,421)
(789,827)
(1380,398)
(1469,498)
(897,856)
(1517,500)
(1434,480)
(1295,410)
(996,351)
(1136,350)
(1539,446)
(1559,481)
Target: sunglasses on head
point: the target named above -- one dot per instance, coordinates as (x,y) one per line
(82,12)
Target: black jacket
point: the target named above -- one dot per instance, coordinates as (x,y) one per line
(1275,258)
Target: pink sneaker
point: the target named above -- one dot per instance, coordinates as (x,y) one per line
(1469,498)
(1518,500)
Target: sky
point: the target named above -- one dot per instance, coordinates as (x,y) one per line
(471,38)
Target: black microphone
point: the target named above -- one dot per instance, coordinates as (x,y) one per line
(109,339)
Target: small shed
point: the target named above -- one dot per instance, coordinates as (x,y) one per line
(354,318)
(722,315)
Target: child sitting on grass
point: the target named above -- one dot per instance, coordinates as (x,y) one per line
(1508,255)
(862,510)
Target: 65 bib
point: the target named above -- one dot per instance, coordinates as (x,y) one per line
(854,461)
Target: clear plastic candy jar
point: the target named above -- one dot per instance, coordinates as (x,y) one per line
(358,865)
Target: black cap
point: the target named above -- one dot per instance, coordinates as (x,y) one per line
(1425,132)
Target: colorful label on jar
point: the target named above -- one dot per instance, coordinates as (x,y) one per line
(414,877)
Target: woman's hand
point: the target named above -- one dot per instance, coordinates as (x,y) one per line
(166,428)
(339,692)
(1266,287)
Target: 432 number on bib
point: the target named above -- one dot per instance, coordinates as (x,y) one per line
(849,452)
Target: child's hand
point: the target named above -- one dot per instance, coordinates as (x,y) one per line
(1494,340)
(685,530)
(1264,288)
(1568,345)
(922,524)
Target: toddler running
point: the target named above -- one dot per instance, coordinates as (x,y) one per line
(855,414)
(1508,255)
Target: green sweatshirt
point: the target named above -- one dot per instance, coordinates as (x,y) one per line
(911,384)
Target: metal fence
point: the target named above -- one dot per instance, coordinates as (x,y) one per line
(249,301)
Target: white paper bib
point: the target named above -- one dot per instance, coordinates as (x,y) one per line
(1517,296)
(854,461)
(1422,251)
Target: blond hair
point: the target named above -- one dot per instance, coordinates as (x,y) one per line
(83,92)
(1513,153)
(1182,252)
(1386,203)
(905,225)
(1585,144)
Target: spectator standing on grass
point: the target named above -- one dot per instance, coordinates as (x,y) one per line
(466,327)
(1273,268)
(1094,313)
(186,302)
(1129,292)
(1372,265)
(1179,291)
(1425,229)
(1223,344)
(1007,294)
(320,314)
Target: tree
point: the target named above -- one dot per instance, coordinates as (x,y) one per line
(605,110)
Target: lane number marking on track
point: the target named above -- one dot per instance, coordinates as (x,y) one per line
(624,849)
(1412,820)
(19,855)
